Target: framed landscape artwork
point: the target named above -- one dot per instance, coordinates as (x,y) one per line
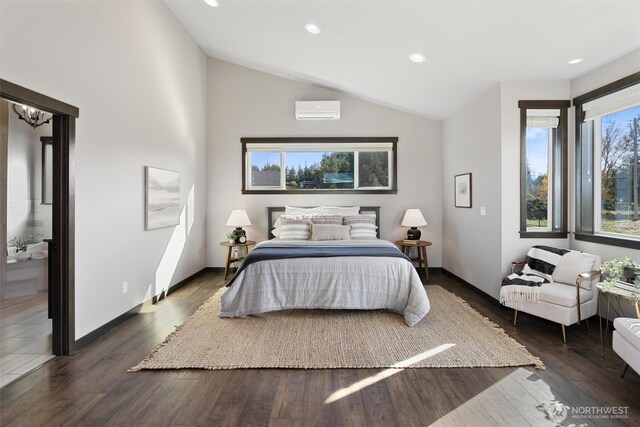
(463,190)
(162,194)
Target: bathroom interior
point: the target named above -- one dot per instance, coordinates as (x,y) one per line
(25,326)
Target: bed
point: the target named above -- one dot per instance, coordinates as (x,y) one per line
(365,274)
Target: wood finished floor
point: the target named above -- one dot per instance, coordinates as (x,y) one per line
(92,386)
(25,336)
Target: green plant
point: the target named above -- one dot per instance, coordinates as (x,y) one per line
(614,269)
(231,236)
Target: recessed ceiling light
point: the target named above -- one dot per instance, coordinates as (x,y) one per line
(417,57)
(212,3)
(575,61)
(312,28)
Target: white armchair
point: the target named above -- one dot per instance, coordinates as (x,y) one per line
(570,297)
(626,341)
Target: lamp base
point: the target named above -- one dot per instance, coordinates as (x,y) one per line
(413,233)
(238,233)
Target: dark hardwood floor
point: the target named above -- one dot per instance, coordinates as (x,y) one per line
(25,335)
(92,387)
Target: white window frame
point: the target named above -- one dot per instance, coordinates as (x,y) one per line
(616,96)
(355,147)
(557,184)
(597,187)
(549,184)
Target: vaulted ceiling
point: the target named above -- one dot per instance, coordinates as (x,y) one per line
(364,45)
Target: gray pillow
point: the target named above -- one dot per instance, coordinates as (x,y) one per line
(329,232)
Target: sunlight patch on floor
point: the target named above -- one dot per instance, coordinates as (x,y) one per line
(395,368)
(520,398)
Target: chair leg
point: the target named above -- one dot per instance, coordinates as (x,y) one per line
(624,370)
(587,322)
(515,317)
(564,335)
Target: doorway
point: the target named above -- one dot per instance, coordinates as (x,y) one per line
(26,327)
(60,192)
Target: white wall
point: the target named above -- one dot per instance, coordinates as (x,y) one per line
(484,138)
(140,83)
(26,215)
(249,103)
(471,242)
(513,247)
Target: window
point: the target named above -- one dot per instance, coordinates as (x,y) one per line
(47,170)
(607,164)
(329,165)
(543,183)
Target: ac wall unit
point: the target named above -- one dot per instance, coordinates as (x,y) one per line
(317,110)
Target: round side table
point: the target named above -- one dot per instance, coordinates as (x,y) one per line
(230,259)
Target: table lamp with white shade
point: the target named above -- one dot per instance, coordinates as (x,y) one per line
(239,219)
(413,218)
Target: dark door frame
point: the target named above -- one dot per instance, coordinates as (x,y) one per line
(62,246)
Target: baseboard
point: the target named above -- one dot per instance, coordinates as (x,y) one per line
(469,285)
(97,333)
(181,283)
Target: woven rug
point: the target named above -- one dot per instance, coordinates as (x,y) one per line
(451,335)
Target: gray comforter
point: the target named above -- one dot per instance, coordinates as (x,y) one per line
(348,282)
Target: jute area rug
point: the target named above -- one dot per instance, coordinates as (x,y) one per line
(451,335)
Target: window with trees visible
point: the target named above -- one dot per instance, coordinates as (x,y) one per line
(543,184)
(608,164)
(275,165)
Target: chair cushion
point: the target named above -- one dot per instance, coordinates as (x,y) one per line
(629,328)
(561,294)
(571,265)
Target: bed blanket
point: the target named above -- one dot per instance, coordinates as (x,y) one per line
(266,253)
(328,282)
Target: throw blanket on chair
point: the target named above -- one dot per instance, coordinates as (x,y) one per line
(540,265)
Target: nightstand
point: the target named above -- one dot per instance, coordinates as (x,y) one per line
(421,259)
(230,260)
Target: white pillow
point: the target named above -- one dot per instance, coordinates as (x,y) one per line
(329,232)
(292,210)
(295,229)
(364,232)
(571,265)
(340,210)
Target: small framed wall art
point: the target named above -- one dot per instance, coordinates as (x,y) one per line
(162,194)
(463,190)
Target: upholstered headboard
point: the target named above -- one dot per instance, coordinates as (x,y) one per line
(273,212)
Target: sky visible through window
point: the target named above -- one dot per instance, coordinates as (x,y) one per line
(622,118)
(538,142)
(537,150)
(260,159)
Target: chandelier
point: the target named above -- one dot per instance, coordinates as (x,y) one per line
(31,115)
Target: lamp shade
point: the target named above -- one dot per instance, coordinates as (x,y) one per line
(238,218)
(413,218)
